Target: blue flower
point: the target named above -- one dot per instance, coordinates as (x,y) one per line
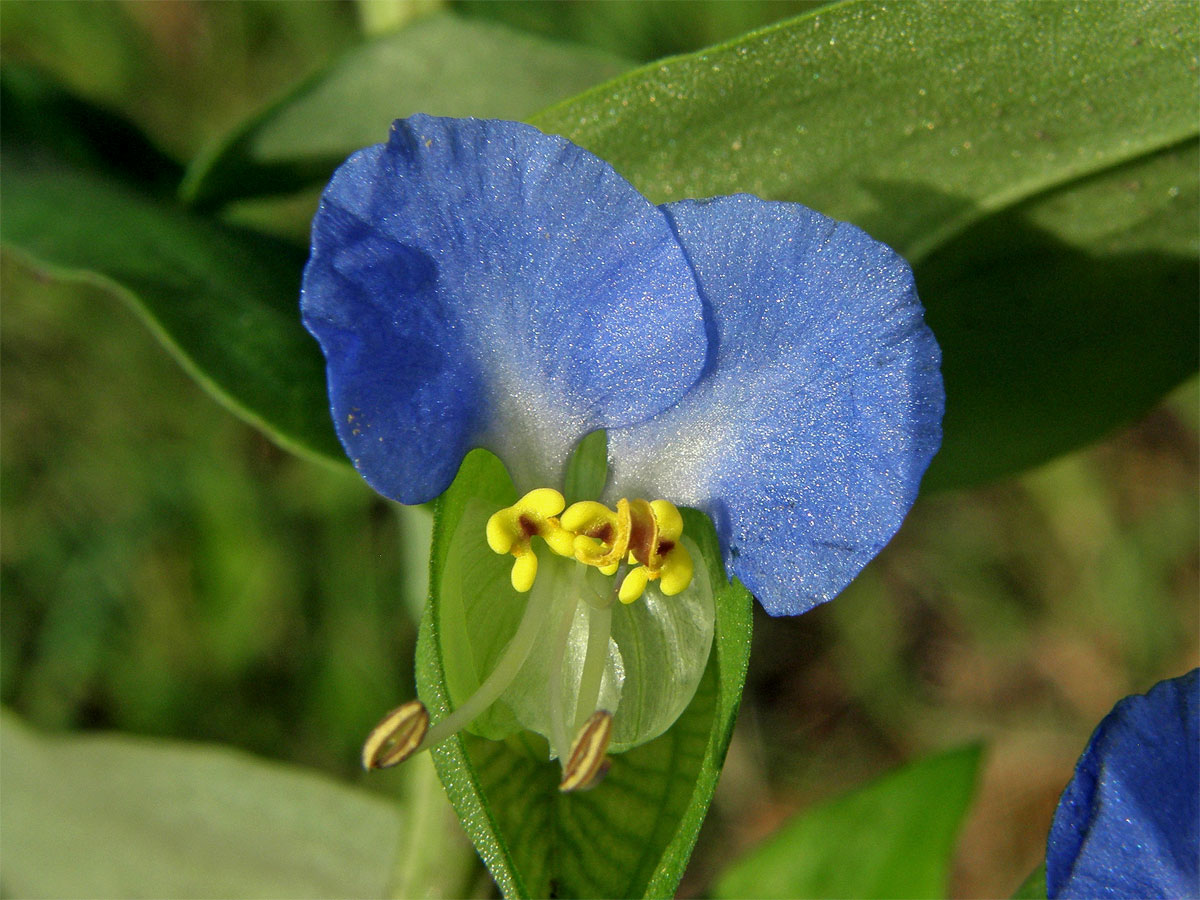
(480,284)
(1128,824)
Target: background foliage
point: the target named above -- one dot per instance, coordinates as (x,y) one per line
(169,572)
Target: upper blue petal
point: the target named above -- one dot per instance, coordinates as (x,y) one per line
(820,406)
(479,283)
(1128,824)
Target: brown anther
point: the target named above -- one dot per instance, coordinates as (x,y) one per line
(587,762)
(643,531)
(396,737)
(604,533)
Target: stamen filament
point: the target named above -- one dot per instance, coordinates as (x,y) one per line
(561,636)
(505,671)
(595,657)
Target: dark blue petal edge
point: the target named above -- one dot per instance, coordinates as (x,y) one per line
(480,283)
(1128,824)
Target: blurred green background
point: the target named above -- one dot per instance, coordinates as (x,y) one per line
(168,571)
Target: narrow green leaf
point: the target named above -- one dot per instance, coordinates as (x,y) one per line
(645,30)
(224,301)
(632,835)
(96,46)
(940,130)
(893,838)
(1033,887)
(42,119)
(441,64)
(114,816)
(1066,316)
(588,469)
(910,120)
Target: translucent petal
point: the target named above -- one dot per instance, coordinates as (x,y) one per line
(1128,824)
(532,697)
(819,409)
(479,283)
(656,654)
(664,643)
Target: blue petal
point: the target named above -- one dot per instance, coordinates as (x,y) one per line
(1128,824)
(479,283)
(820,406)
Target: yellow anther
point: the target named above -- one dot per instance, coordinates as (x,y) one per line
(643,534)
(670,557)
(524,571)
(657,528)
(634,585)
(670,522)
(643,531)
(511,529)
(676,571)
(601,534)
(560,541)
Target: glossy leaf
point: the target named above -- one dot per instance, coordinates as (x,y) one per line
(441,65)
(892,838)
(645,30)
(1065,316)
(925,126)
(632,835)
(906,120)
(115,816)
(224,301)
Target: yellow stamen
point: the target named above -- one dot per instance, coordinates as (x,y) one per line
(644,534)
(601,535)
(512,529)
(658,527)
(676,572)
(634,585)
(643,531)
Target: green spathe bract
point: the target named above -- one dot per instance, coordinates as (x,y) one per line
(631,836)
(651,664)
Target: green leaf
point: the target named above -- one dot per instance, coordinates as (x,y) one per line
(645,30)
(97,47)
(1033,887)
(877,114)
(587,470)
(893,838)
(114,816)
(1065,316)
(224,301)
(440,65)
(630,836)
(937,129)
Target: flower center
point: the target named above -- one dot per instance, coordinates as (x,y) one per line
(638,542)
(643,535)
